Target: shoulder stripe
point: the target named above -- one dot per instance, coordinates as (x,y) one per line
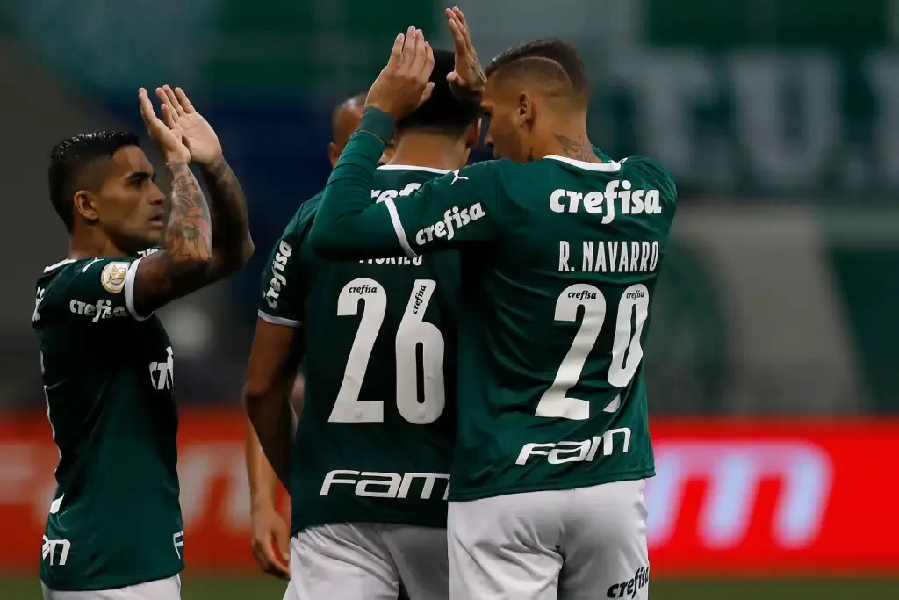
(277,320)
(129,291)
(398,228)
(61,263)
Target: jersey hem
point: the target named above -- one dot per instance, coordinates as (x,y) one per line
(114,584)
(477,494)
(295,530)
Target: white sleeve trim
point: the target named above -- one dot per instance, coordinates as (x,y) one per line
(129,291)
(277,320)
(398,228)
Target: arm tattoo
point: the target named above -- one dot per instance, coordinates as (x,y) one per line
(187,250)
(231,243)
(577,149)
(188,234)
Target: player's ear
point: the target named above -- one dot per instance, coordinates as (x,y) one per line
(333,154)
(86,206)
(527,110)
(473,134)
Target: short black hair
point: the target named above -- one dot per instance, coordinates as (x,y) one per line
(443,112)
(70,157)
(552,61)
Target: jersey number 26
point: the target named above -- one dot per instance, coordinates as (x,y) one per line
(412,331)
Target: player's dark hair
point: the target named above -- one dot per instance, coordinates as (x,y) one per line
(442,112)
(551,61)
(70,157)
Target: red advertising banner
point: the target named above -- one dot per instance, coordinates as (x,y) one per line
(732,497)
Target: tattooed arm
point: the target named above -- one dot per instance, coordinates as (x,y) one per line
(232,245)
(181,266)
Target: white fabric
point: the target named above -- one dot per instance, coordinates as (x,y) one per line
(368,561)
(578,544)
(161,589)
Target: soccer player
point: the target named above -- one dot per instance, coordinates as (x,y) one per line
(271,534)
(114,529)
(561,251)
(369,467)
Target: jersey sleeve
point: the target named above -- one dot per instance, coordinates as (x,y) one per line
(283,279)
(454,210)
(101,290)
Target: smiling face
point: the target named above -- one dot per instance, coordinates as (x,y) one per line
(128,207)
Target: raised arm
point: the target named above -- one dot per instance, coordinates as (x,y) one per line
(189,259)
(180,267)
(453,210)
(232,246)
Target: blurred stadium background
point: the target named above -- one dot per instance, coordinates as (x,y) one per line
(773,369)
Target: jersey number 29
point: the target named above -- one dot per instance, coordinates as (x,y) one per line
(412,331)
(626,349)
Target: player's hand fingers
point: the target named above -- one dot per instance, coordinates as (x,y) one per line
(184,101)
(396,53)
(420,59)
(409,49)
(428,66)
(173,100)
(147,113)
(460,16)
(168,116)
(164,100)
(276,566)
(460,47)
(429,89)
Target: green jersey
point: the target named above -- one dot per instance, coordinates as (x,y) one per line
(559,263)
(115,519)
(375,438)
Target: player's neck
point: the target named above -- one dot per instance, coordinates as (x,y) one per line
(568,138)
(429,150)
(88,244)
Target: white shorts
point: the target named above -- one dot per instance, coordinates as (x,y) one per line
(577,544)
(161,589)
(368,561)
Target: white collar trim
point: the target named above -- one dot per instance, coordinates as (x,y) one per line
(392,167)
(603,166)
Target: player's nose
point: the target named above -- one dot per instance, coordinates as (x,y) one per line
(156,195)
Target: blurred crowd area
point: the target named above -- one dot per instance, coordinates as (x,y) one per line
(779,119)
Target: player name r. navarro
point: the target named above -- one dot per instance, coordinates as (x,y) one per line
(609,257)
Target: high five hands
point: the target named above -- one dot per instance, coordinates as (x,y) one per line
(402,86)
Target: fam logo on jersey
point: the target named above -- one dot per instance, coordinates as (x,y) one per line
(101,310)
(178,542)
(162,374)
(453,219)
(633,202)
(629,588)
(113,277)
(48,551)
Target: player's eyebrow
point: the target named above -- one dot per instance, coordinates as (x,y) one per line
(138,176)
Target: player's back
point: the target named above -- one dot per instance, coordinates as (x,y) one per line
(115,519)
(551,380)
(376,435)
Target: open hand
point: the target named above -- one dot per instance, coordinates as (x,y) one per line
(467,78)
(197,134)
(402,86)
(170,140)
